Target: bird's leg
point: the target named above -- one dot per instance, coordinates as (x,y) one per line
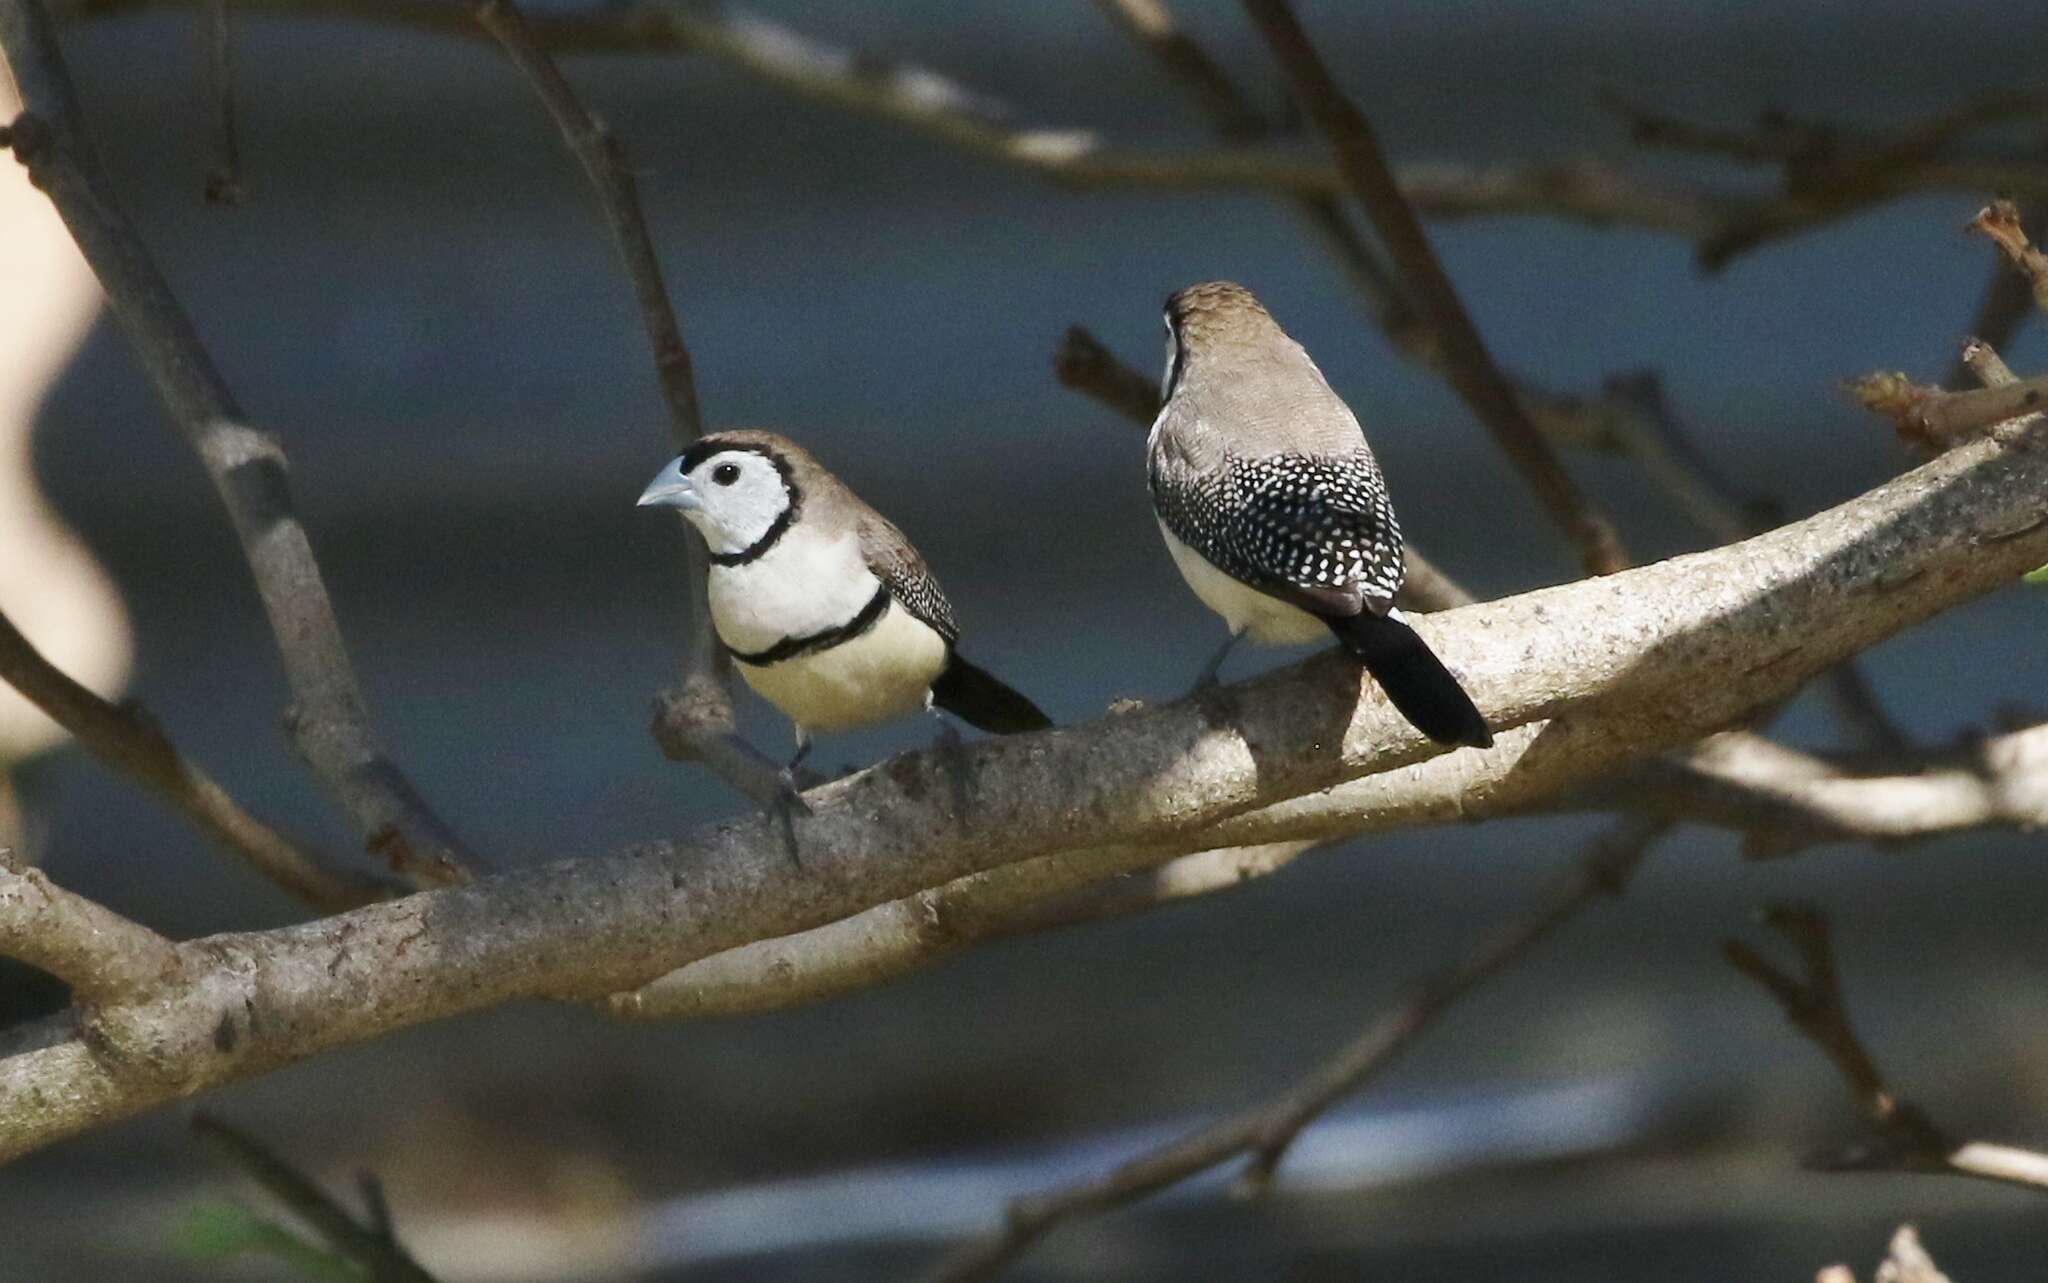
(951,751)
(789,802)
(1215,664)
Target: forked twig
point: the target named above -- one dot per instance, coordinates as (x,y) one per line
(1898,1135)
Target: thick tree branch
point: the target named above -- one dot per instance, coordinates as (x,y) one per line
(1262,1133)
(695,721)
(329,722)
(1616,668)
(1899,1136)
(128,739)
(104,957)
(894,939)
(1779,800)
(1468,366)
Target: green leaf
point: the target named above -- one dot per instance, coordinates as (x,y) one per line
(2039,576)
(215,1231)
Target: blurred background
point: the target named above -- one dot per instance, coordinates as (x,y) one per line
(419,299)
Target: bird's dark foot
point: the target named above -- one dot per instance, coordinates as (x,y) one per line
(951,752)
(788,804)
(1206,679)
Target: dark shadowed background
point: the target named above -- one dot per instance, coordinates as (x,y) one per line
(419,299)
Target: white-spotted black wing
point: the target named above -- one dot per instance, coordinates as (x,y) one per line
(1322,527)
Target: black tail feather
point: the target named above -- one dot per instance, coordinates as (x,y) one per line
(1413,677)
(984,703)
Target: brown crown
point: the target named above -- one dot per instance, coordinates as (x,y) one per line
(1214,309)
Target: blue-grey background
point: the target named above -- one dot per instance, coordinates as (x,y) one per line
(419,299)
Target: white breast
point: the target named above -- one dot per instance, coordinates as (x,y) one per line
(803,585)
(885,672)
(1244,608)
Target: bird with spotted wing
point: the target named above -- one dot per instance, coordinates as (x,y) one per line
(1274,509)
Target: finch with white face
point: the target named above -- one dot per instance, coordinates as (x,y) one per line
(830,613)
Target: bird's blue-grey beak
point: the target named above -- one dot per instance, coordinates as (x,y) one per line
(670,489)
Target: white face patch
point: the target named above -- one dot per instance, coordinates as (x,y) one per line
(740,496)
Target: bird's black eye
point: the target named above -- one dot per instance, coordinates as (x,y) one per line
(726,473)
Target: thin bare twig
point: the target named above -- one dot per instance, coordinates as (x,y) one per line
(224,181)
(369,1242)
(1469,368)
(1263,1133)
(329,722)
(1935,419)
(1898,1135)
(105,958)
(1828,172)
(128,739)
(2007,303)
(2000,223)
(1980,357)
(695,721)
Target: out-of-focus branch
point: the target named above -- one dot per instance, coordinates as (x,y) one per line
(1899,1136)
(368,1242)
(224,181)
(1262,1134)
(329,722)
(695,721)
(1828,172)
(1236,121)
(1906,1261)
(926,102)
(1468,366)
(105,958)
(128,739)
(1784,801)
(2000,223)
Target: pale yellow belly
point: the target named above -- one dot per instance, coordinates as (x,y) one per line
(885,672)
